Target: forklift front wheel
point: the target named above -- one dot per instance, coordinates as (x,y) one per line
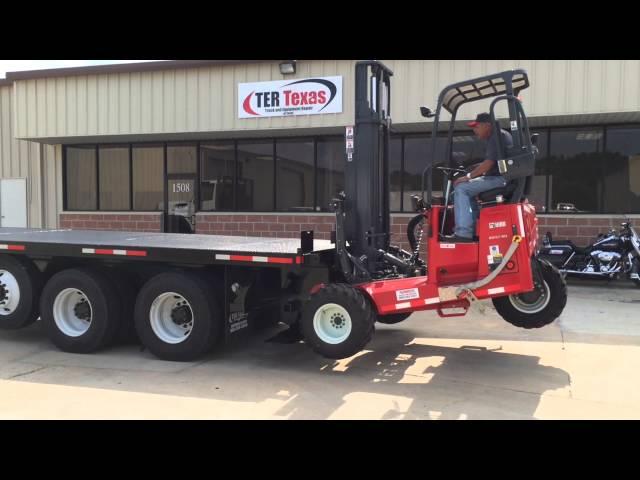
(337,321)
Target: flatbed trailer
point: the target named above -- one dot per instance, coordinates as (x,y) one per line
(236,280)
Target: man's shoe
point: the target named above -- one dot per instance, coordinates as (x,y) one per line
(457,239)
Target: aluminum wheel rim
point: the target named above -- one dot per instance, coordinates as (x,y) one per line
(535,307)
(11,289)
(70,312)
(162,316)
(332,323)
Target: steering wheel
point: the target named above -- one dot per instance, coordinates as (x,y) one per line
(451,170)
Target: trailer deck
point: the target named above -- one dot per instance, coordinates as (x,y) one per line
(151,246)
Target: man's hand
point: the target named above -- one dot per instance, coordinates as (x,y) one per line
(460,180)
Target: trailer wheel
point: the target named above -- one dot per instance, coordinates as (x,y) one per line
(80,310)
(337,321)
(177,316)
(20,287)
(538,308)
(393,318)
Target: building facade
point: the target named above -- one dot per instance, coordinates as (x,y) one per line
(178,146)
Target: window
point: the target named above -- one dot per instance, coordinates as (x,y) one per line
(417,155)
(255,176)
(395,174)
(330,173)
(113,168)
(81,178)
(217,175)
(538,193)
(575,171)
(294,175)
(622,170)
(148,177)
(181,159)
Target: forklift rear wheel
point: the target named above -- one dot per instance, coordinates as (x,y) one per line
(537,308)
(393,318)
(338,321)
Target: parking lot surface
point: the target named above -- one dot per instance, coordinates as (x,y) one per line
(584,366)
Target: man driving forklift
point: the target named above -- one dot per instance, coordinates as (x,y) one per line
(483,177)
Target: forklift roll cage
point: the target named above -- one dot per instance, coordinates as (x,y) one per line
(518,166)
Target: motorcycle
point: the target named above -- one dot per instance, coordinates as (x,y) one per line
(611,255)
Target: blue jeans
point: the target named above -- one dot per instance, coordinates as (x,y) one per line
(466,207)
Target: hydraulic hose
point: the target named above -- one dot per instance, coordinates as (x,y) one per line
(489,278)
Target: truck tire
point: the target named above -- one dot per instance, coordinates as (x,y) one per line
(393,318)
(81,310)
(178,317)
(538,308)
(337,321)
(20,288)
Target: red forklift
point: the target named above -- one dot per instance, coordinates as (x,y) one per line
(375,281)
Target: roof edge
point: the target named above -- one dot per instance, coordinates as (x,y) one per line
(121,68)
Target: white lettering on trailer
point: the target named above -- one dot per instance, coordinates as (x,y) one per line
(491,291)
(403,305)
(238,325)
(520,221)
(407,294)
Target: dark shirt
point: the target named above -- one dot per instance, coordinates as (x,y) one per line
(493,150)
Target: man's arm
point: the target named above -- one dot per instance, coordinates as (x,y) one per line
(480,170)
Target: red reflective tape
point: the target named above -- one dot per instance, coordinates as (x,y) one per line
(280,260)
(241,258)
(298,260)
(16,247)
(136,253)
(103,252)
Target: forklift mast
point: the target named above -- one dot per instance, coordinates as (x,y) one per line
(366,203)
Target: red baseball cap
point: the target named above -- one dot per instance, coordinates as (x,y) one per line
(481,118)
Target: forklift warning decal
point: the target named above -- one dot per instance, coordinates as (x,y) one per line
(407,294)
(308,96)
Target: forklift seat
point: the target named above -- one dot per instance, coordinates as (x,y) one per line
(490,195)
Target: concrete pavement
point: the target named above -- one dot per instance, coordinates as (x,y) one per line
(584,366)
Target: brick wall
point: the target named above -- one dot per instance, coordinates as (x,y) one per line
(281,226)
(582,230)
(133,222)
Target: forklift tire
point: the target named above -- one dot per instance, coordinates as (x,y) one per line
(80,310)
(337,321)
(393,318)
(20,287)
(177,317)
(533,309)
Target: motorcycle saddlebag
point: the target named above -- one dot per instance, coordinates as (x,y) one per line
(557,255)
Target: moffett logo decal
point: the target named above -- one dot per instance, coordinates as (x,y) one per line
(497,224)
(309,96)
